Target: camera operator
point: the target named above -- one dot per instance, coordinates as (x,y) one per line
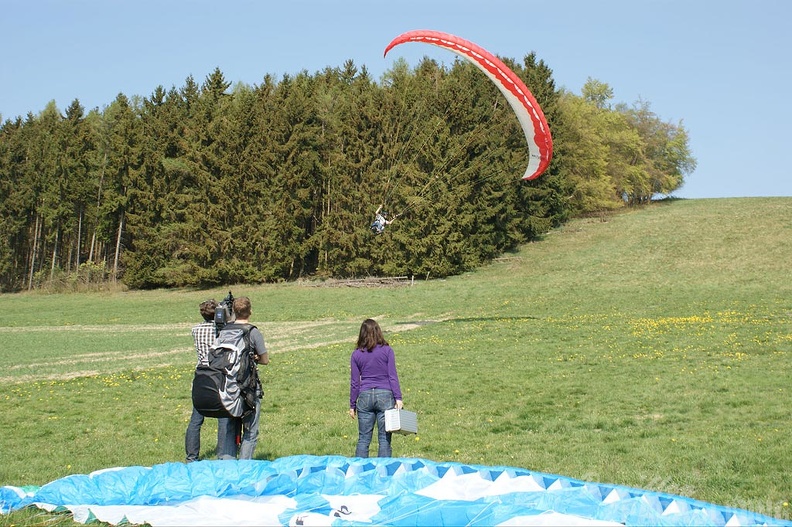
(203,338)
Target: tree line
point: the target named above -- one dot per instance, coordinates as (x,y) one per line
(206,184)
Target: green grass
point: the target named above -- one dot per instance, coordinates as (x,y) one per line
(652,349)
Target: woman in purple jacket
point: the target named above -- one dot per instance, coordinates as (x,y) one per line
(373,388)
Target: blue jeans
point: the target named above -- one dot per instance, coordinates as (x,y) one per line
(249,428)
(192,438)
(371,406)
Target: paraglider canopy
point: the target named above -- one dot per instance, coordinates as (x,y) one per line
(335,490)
(520,98)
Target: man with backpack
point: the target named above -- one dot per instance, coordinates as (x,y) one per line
(243,431)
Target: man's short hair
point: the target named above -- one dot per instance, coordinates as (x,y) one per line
(207,309)
(242,308)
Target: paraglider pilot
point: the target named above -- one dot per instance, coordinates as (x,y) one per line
(380,221)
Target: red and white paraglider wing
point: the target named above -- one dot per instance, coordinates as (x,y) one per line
(522,101)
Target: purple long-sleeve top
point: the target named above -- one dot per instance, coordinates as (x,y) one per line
(374,369)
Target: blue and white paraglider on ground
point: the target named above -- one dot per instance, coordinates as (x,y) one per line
(335,490)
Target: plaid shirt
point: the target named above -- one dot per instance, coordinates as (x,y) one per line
(204,336)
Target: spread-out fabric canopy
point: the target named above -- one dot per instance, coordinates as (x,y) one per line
(519,97)
(335,490)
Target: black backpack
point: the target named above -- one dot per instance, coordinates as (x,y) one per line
(227,386)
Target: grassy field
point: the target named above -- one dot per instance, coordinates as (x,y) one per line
(651,349)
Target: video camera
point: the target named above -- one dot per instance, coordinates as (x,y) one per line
(224,313)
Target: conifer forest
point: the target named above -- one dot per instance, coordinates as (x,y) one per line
(211,183)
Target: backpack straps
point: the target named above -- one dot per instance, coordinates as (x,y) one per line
(246,329)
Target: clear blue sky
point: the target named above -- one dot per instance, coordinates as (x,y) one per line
(723,68)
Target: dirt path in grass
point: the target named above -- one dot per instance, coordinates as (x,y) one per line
(281,337)
(277,329)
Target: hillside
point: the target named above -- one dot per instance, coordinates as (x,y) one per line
(673,258)
(650,349)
